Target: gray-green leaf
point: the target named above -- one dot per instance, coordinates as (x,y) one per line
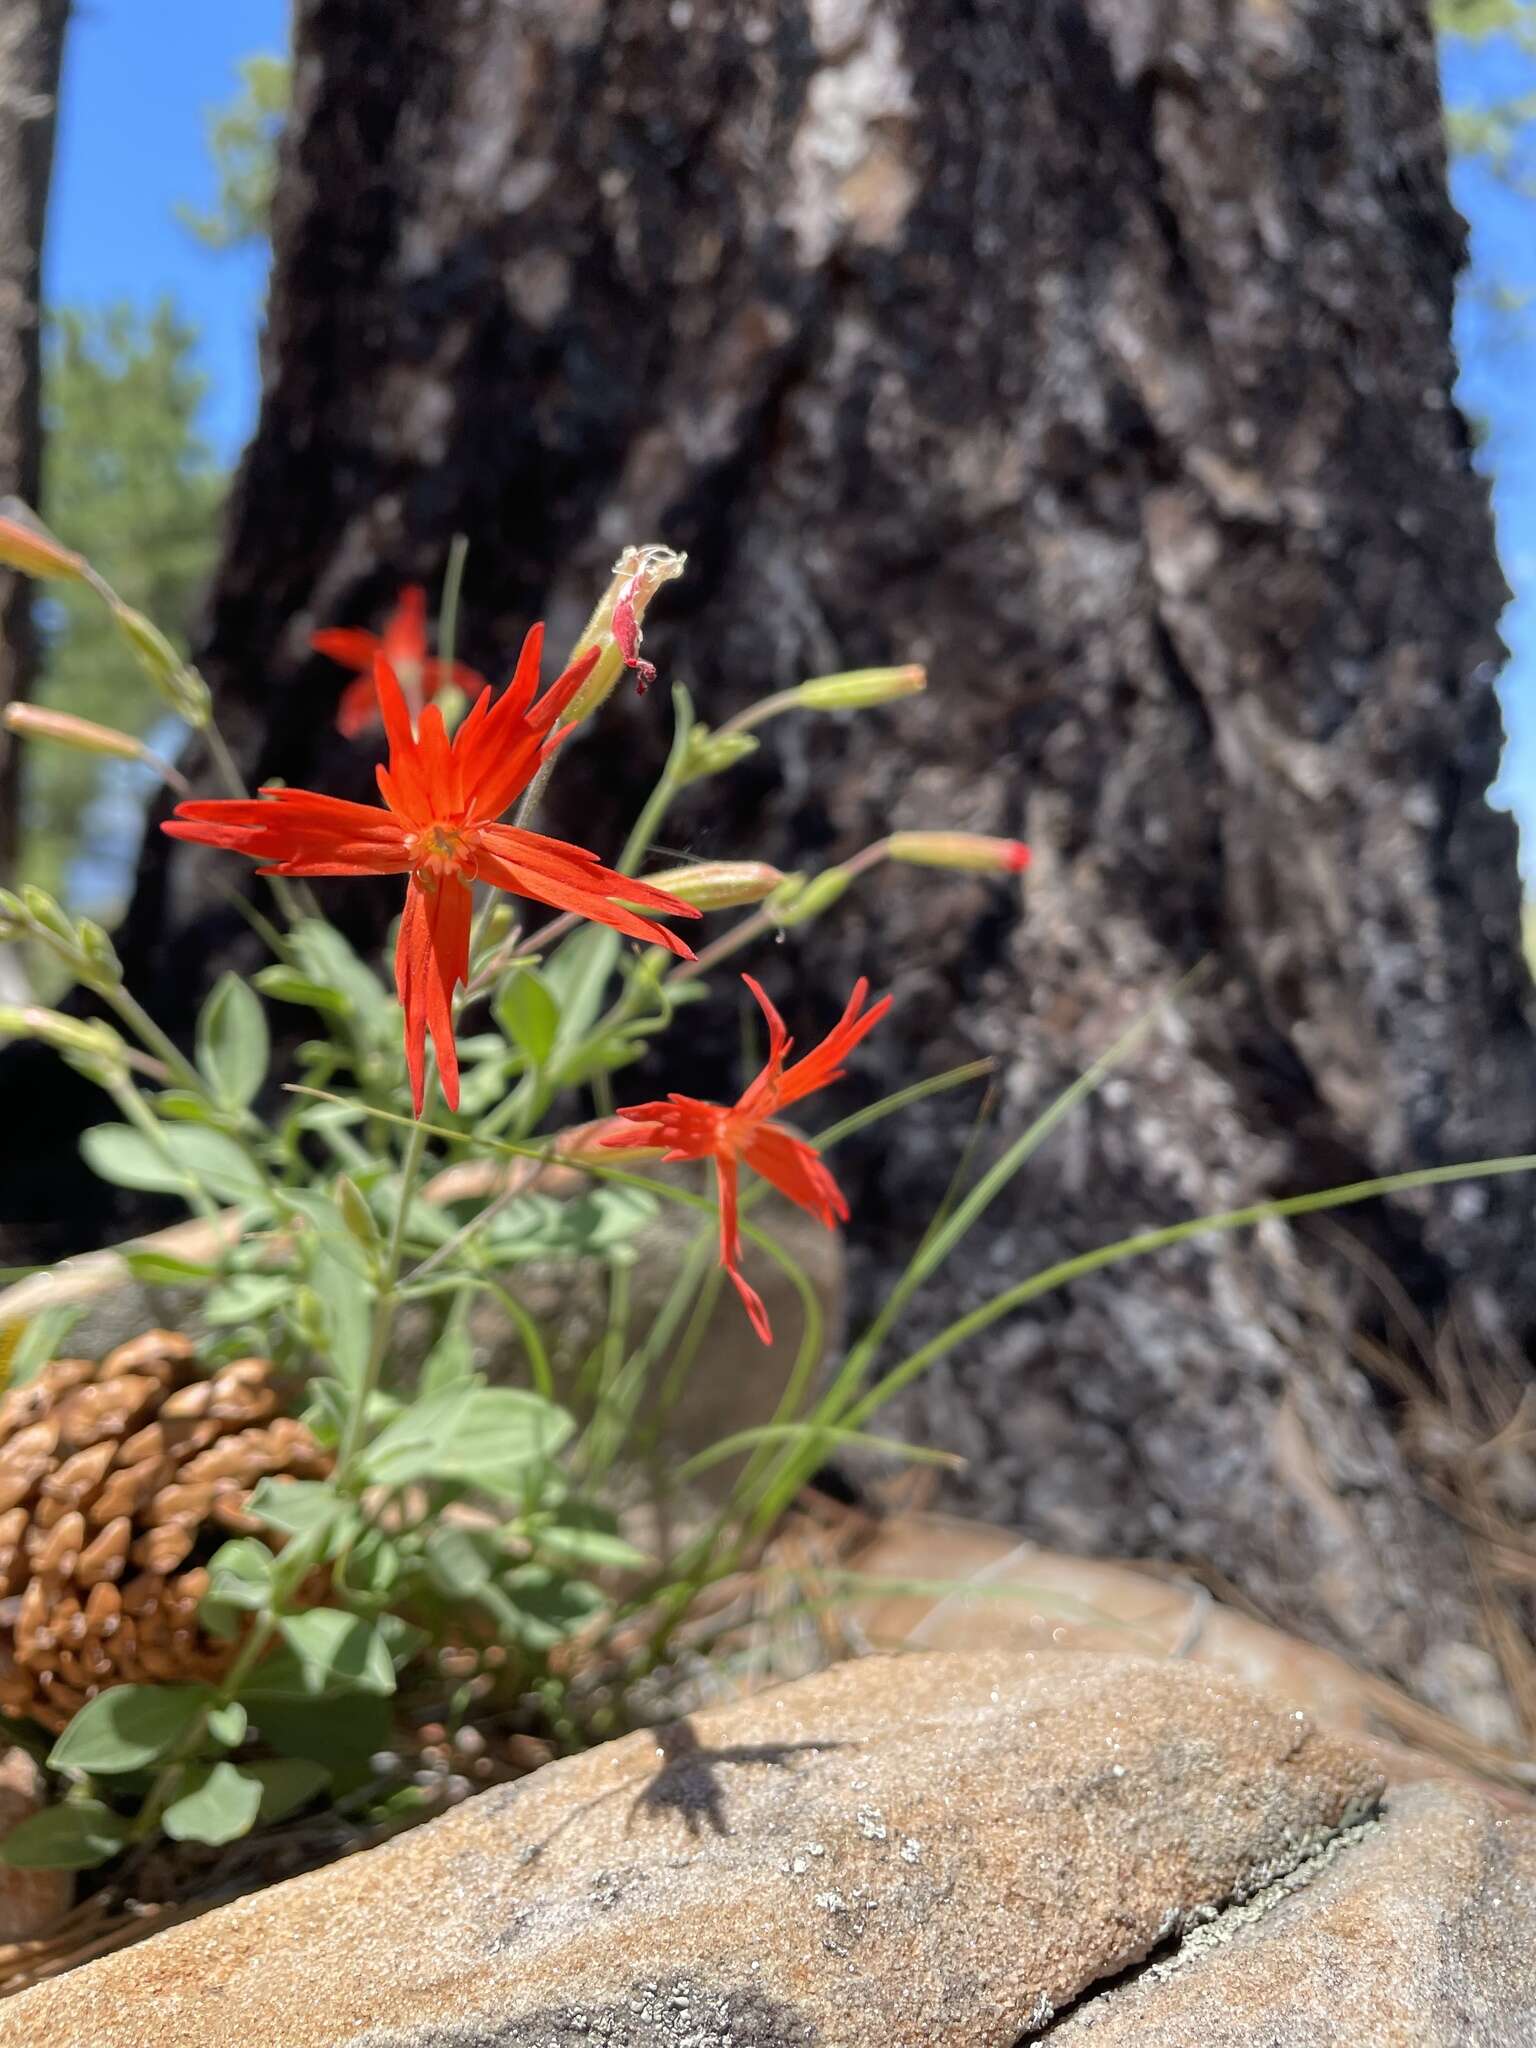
(129,1159)
(221,1806)
(480,1436)
(529,1014)
(331,1651)
(233,1045)
(75,1836)
(129,1726)
(287,1783)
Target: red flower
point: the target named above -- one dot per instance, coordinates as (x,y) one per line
(403,645)
(442,800)
(691,1129)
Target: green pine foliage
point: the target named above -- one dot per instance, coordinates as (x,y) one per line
(126,468)
(242,140)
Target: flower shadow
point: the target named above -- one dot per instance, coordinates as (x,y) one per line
(688,1782)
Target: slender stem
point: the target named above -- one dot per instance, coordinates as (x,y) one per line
(170,775)
(519,1316)
(515,947)
(224,761)
(937,1244)
(150,1035)
(739,935)
(448,611)
(176,1066)
(523,816)
(293,903)
(760,712)
(145,1064)
(383,1310)
(519,1184)
(657,803)
(1146,1241)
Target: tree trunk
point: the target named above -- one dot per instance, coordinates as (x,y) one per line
(1097,354)
(31,50)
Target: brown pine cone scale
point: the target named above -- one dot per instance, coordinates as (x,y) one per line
(118,1481)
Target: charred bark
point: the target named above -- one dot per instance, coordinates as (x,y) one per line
(31,51)
(1097,354)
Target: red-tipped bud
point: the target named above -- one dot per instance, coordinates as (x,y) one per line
(32,721)
(28,546)
(972,851)
(859,688)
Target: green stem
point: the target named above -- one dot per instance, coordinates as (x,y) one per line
(293,903)
(383,1311)
(938,1244)
(1145,1241)
(760,712)
(178,1067)
(523,816)
(151,1037)
(448,611)
(659,801)
(224,761)
(519,946)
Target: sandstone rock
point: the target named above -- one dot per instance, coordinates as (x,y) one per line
(959,1585)
(934,1851)
(30,1900)
(1419,1933)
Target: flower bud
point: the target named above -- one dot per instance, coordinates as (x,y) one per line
(859,688)
(972,851)
(33,722)
(719,884)
(42,910)
(181,686)
(614,627)
(362,1225)
(27,545)
(817,895)
(98,951)
(68,1034)
(711,753)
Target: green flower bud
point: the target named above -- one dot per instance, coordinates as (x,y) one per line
(42,910)
(719,884)
(67,1034)
(180,685)
(815,896)
(858,688)
(355,1213)
(99,951)
(710,753)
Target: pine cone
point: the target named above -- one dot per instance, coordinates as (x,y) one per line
(118,1481)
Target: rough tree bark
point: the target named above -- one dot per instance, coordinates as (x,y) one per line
(31,51)
(1097,353)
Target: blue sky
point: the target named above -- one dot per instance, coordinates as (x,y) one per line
(131,145)
(1497,347)
(139,77)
